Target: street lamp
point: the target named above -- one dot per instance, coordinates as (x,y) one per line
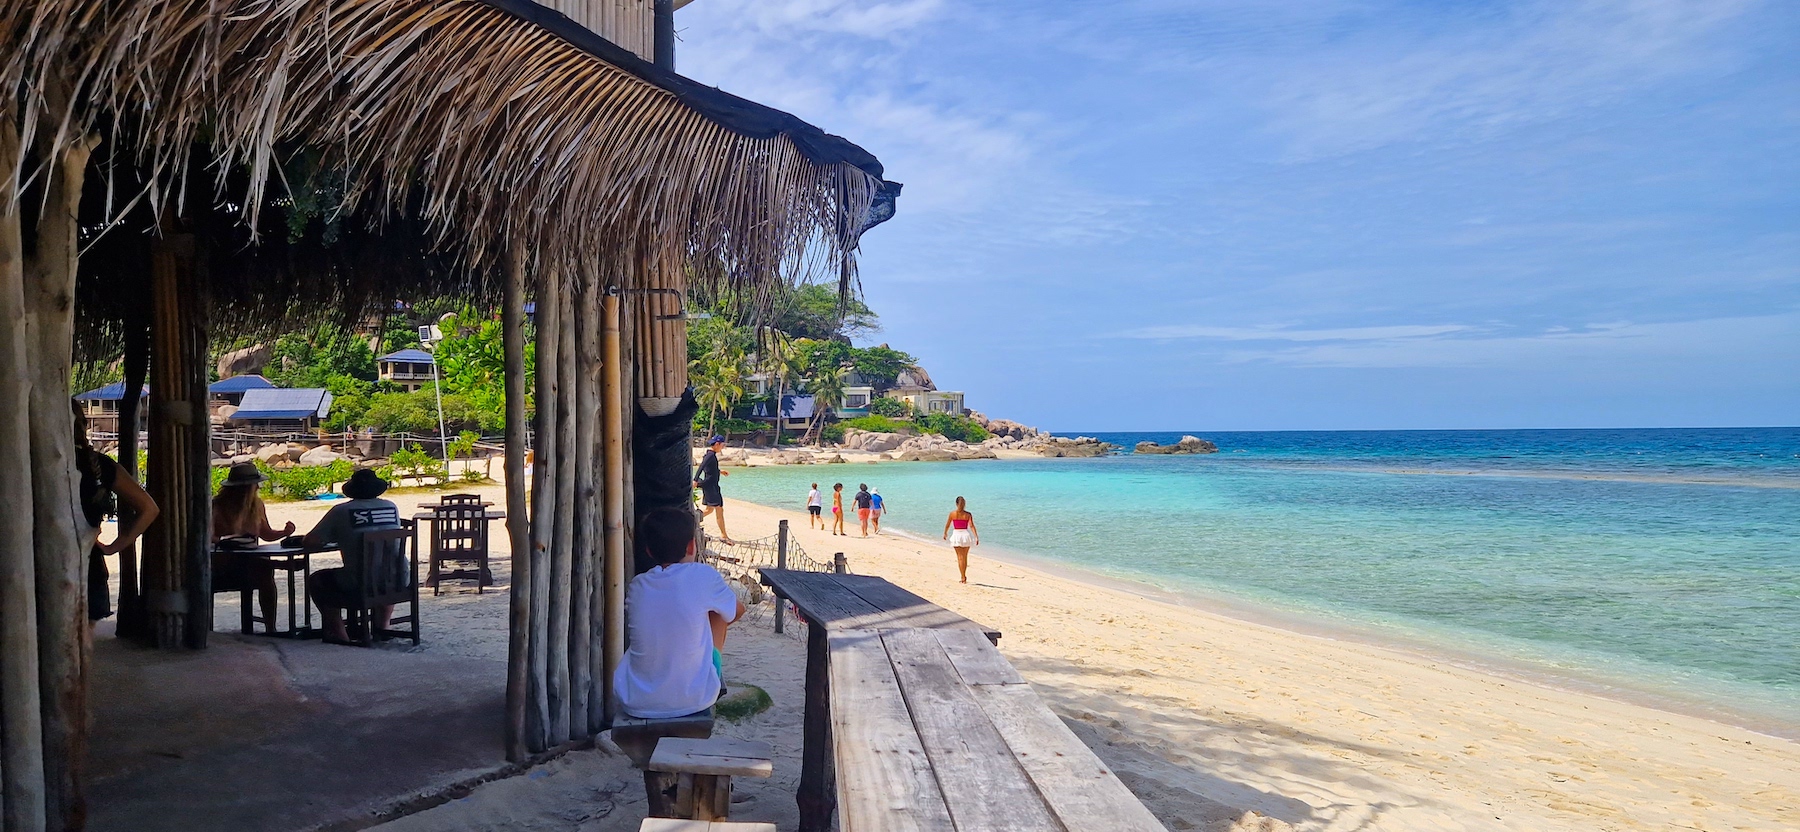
(429,336)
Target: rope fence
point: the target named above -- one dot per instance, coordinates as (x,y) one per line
(742,562)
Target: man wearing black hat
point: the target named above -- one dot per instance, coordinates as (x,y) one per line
(345,524)
(707,480)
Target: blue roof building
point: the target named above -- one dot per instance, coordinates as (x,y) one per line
(110,393)
(275,407)
(239,385)
(101,407)
(410,369)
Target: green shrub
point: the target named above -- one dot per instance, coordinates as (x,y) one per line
(415,463)
(875,424)
(305,482)
(961,428)
(832,433)
(896,408)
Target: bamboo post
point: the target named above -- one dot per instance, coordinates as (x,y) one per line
(781,547)
(21,716)
(61,532)
(196,463)
(562,550)
(130,616)
(518,521)
(586,705)
(612,433)
(543,511)
(170,414)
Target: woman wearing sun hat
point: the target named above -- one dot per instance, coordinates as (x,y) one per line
(238,512)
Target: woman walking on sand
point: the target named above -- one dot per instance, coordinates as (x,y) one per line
(960,530)
(814,506)
(837,508)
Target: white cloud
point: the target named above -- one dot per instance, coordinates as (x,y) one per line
(1276,333)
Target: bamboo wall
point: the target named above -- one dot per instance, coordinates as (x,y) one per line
(628,23)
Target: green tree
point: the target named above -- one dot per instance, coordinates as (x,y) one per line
(814,311)
(311,359)
(781,360)
(827,388)
(718,385)
(880,365)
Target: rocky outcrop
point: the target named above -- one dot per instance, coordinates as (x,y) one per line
(322,455)
(1079,446)
(279,452)
(1005,428)
(248,360)
(790,458)
(862,440)
(928,455)
(1187,445)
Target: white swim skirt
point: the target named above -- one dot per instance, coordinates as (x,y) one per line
(962,538)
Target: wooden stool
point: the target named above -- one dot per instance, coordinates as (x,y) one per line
(677,825)
(691,779)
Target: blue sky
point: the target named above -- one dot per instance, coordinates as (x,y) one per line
(1330,214)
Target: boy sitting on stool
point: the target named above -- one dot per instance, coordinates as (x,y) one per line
(675,619)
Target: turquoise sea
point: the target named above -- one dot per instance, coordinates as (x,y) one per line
(1661,565)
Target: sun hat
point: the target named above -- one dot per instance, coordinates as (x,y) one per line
(365,484)
(244,473)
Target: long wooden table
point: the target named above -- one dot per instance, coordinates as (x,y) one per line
(934,729)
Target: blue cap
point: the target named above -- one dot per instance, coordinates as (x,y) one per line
(715,440)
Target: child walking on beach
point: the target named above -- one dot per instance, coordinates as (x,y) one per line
(959,529)
(876,507)
(814,505)
(837,508)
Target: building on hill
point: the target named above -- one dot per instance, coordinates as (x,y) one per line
(101,407)
(925,401)
(230,391)
(409,369)
(278,409)
(796,412)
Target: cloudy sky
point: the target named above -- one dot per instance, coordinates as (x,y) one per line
(1274,214)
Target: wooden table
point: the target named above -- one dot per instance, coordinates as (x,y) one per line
(935,731)
(831,603)
(289,559)
(484,576)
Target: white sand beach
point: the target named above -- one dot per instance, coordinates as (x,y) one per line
(1215,722)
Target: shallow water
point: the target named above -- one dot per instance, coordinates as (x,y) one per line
(1660,561)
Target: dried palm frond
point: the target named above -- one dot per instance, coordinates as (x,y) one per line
(496,123)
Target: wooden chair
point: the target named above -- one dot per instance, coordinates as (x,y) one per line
(691,778)
(377,585)
(459,537)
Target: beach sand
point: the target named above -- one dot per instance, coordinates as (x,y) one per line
(1200,712)
(1213,721)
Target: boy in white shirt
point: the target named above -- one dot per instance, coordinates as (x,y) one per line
(675,619)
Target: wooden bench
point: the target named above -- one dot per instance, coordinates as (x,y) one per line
(637,736)
(674,825)
(693,777)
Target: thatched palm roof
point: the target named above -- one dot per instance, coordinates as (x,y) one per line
(489,123)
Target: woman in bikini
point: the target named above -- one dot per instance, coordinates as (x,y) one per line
(960,530)
(837,508)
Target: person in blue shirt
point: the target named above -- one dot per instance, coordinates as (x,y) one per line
(876,507)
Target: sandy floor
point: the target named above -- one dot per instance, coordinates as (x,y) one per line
(1206,716)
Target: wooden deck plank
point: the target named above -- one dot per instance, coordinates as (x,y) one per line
(976,659)
(982,782)
(884,778)
(825,602)
(861,602)
(903,608)
(1082,791)
(717,755)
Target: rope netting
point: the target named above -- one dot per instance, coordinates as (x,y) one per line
(742,562)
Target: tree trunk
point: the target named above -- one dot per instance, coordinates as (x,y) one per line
(586,712)
(518,521)
(543,511)
(562,550)
(612,429)
(21,716)
(60,530)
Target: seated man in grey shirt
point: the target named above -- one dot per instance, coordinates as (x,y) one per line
(344,525)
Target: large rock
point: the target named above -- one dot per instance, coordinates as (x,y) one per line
(976,453)
(1080,446)
(322,455)
(248,360)
(791,458)
(871,441)
(928,455)
(1187,445)
(274,452)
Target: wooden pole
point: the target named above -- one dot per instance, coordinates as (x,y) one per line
(130,617)
(60,530)
(586,704)
(612,433)
(171,417)
(196,462)
(543,511)
(518,521)
(781,549)
(562,550)
(21,716)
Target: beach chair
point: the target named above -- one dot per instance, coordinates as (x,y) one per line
(380,585)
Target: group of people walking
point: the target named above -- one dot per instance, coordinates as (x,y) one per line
(867,501)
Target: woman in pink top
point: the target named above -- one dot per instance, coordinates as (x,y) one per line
(960,530)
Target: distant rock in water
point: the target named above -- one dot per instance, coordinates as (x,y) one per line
(1187,445)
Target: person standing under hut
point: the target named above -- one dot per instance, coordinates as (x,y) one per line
(960,530)
(238,512)
(335,590)
(712,500)
(105,485)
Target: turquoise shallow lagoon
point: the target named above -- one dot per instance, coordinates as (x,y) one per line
(1657,562)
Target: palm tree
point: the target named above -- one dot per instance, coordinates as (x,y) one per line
(781,360)
(827,389)
(718,385)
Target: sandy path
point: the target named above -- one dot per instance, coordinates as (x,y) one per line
(1199,711)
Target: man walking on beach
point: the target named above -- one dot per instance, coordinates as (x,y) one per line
(863,505)
(876,507)
(711,500)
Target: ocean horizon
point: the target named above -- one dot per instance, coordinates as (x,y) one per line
(1658,564)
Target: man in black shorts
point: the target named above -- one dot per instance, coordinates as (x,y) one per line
(707,480)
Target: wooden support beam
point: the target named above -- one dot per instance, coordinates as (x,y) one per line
(562,549)
(129,621)
(543,510)
(518,520)
(61,533)
(21,717)
(613,492)
(586,704)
